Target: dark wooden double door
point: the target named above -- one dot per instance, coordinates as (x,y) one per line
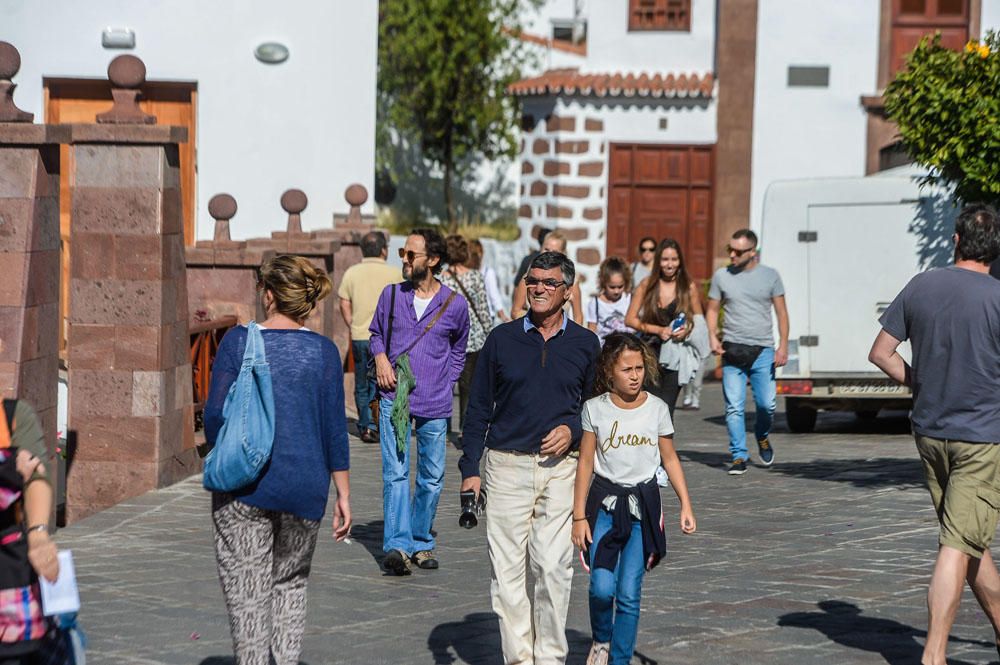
(662,191)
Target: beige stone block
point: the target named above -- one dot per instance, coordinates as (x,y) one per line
(123,166)
(149,393)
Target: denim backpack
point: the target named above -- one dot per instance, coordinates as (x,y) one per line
(243,445)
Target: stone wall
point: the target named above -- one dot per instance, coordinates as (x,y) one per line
(563,181)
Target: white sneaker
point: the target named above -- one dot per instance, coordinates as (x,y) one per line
(598,653)
(686,403)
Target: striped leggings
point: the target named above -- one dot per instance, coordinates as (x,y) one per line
(264,558)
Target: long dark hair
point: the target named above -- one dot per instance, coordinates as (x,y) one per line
(614,345)
(650,299)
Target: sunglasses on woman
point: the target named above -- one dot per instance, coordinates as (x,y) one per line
(651,248)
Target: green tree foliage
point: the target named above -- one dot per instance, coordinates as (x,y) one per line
(947,106)
(444,66)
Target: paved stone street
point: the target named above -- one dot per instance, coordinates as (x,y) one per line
(822,559)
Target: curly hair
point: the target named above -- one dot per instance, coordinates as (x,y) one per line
(434,245)
(296,284)
(614,345)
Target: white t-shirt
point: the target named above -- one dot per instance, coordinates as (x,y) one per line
(609,316)
(420,305)
(628,450)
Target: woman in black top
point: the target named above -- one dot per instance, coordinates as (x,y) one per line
(656,302)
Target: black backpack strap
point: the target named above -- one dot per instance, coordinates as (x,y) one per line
(392,318)
(9,405)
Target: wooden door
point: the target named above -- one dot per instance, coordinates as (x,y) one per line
(662,191)
(78,100)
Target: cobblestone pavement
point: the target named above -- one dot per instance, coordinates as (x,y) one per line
(823,558)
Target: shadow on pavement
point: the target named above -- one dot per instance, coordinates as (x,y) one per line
(900,472)
(845,623)
(476,639)
(370,535)
(228,660)
(834,422)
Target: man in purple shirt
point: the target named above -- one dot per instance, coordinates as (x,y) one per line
(428,322)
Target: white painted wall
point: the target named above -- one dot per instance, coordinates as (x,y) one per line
(687,121)
(811,132)
(307,123)
(611,47)
(990,19)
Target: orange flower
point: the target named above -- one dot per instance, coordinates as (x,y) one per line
(984,50)
(970,46)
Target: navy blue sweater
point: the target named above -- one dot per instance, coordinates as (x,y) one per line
(310,427)
(524,387)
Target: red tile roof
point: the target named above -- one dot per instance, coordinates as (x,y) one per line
(572,82)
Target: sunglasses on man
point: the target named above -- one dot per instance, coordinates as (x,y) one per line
(647,248)
(409,254)
(549,283)
(738,252)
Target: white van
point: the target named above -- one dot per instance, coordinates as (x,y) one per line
(845,247)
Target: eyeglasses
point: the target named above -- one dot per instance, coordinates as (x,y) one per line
(738,252)
(549,283)
(409,254)
(648,249)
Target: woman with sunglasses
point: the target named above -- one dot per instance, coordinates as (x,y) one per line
(644,266)
(555,241)
(657,303)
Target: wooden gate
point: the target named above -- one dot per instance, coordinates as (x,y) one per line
(80,100)
(662,191)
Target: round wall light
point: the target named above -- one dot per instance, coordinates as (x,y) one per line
(271,53)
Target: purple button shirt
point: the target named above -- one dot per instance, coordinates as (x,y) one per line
(437,359)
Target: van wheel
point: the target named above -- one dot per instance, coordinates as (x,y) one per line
(801,418)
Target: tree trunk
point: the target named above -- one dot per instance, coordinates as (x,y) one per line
(449,204)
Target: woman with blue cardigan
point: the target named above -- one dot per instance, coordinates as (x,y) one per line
(265,533)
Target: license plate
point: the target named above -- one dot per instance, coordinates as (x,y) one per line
(872,388)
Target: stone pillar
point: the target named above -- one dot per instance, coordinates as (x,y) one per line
(130,387)
(29,254)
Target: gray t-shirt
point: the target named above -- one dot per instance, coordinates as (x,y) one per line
(639,273)
(746,296)
(951,316)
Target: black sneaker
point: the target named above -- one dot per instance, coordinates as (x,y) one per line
(425,560)
(738,468)
(397,563)
(766,452)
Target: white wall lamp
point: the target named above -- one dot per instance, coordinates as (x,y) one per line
(271,53)
(118,38)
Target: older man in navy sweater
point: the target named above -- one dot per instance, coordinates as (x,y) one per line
(531,380)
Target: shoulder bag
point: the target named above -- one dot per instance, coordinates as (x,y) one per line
(475,310)
(405,381)
(243,445)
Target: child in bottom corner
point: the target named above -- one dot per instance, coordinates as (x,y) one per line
(617,518)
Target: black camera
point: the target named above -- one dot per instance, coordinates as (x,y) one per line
(472,508)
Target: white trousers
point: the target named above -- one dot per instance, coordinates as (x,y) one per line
(530,519)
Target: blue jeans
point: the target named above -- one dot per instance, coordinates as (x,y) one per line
(408,522)
(734,388)
(364,385)
(615,594)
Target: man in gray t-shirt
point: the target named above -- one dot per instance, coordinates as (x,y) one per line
(951,317)
(748,291)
